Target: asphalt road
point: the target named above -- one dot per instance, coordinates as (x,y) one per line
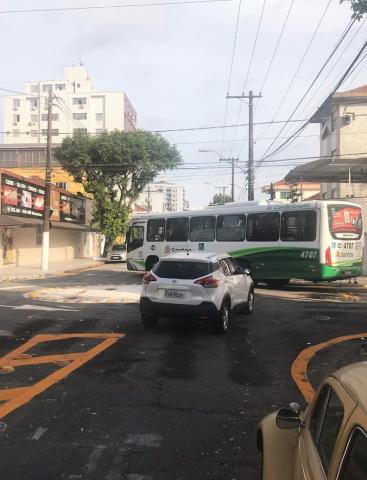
(173,403)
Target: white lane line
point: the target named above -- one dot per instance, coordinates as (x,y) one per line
(13,287)
(94,457)
(38,433)
(38,307)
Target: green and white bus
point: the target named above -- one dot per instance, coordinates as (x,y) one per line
(315,240)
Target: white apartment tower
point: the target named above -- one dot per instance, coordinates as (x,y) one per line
(78,107)
(162,196)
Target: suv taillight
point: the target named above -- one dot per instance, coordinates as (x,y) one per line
(207,282)
(328,257)
(149,277)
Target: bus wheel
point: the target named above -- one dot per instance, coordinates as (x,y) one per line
(150,262)
(277,283)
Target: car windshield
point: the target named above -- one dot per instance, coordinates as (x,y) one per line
(118,248)
(182,269)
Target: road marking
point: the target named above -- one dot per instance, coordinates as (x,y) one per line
(38,433)
(16,397)
(144,440)
(300,364)
(39,307)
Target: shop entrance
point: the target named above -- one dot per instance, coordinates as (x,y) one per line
(7,244)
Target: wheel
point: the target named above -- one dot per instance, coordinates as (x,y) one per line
(221,322)
(149,320)
(250,304)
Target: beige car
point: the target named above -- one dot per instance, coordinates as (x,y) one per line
(328,440)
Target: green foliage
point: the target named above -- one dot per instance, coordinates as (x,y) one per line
(359,8)
(115,167)
(218,199)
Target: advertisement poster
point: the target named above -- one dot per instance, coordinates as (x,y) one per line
(71,209)
(345,222)
(21,198)
(55,205)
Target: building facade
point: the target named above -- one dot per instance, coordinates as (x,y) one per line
(283,190)
(343,126)
(21,223)
(77,107)
(162,196)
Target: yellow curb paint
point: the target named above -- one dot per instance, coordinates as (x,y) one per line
(300,364)
(16,397)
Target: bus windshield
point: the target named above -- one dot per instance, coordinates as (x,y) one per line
(345,221)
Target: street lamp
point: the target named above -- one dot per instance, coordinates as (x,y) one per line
(228,160)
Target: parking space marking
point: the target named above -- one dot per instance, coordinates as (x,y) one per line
(300,364)
(16,397)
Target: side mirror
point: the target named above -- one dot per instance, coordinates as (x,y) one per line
(288,418)
(246,271)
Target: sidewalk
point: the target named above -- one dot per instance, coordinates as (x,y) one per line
(13,272)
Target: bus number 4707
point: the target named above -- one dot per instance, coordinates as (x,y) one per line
(311,254)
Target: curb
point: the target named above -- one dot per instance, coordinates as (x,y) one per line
(14,278)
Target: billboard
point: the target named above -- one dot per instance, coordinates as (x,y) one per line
(72,209)
(21,198)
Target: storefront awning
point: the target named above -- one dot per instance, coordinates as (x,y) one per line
(12,221)
(72,226)
(337,170)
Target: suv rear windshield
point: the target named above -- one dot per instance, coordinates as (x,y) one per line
(183,270)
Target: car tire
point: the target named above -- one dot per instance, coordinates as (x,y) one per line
(250,304)
(221,322)
(149,320)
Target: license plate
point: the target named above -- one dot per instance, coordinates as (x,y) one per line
(115,258)
(173,294)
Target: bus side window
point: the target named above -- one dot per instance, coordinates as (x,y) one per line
(263,227)
(177,229)
(298,226)
(156,230)
(231,228)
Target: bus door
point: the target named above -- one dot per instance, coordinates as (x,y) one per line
(135,242)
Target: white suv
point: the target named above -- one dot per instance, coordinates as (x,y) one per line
(196,284)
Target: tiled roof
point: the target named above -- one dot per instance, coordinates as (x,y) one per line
(355,92)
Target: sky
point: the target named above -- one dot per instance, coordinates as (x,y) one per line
(174,62)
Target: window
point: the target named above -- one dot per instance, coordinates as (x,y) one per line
(35,88)
(262,227)
(79,101)
(298,226)
(33,102)
(99,130)
(345,221)
(285,195)
(16,118)
(59,86)
(231,228)
(80,116)
(46,87)
(156,230)
(99,117)
(34,118)
(333,193)
(16,103)
(234,266)
(63,185)
(177,229)
(80,130)
(224,266)
(202,229)
(44,117)
(325,424)
(355,461)
(182,269)
(135,238)
(54,132)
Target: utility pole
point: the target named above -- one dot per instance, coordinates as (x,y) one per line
(250,165)
(272,192)
(148,198)
(46,210)
(232,162)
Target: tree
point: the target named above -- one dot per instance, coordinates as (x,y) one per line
(114,168)
(359,8)
(218,199)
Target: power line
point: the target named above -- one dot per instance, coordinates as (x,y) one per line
(106,7)
(299,66)
(275,50)
(231,66)
(249,68)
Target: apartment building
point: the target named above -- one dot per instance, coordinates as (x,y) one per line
(299,191)
(77,107)
(162,196)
